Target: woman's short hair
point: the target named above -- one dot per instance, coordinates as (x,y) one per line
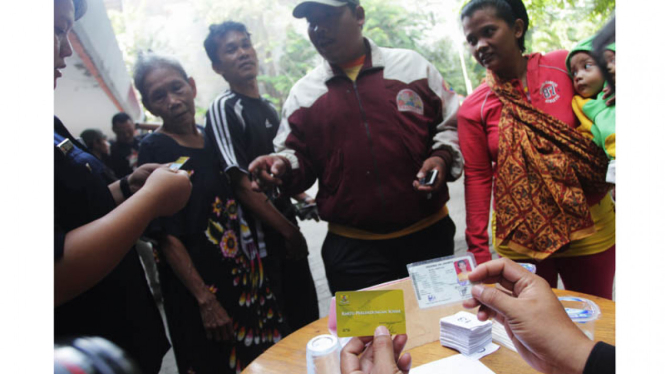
(146,62)
(507,10)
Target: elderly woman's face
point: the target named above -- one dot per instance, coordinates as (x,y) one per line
(170,96)
(63,22)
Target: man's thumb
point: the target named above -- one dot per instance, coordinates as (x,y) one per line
(493,298)
(384,355)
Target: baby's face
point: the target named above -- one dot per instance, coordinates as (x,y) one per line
(609,58)
(587,78)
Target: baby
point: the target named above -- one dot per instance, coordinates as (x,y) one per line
(595,111)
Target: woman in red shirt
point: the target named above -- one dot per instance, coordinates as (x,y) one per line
(518,138)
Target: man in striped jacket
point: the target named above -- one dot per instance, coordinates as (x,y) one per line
(243,126)
(368,123)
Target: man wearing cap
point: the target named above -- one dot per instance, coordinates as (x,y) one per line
(368,123)
(243,125)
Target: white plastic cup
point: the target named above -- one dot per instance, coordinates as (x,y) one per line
(583,312)
(323,354)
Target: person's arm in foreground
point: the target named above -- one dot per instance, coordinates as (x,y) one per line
(380,356)
(265,211)
(216,321)
(135,180)
(93,250)
(534,318)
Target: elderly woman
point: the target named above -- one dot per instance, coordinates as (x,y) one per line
(220,311)
(99,284)
(517,134)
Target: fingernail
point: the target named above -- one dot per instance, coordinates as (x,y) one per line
(381,330)
(477,291)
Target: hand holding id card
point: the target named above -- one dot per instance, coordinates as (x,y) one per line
(442,281)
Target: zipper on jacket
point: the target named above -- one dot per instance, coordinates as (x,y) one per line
(371,147)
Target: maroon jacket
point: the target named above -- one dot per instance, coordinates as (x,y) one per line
(366,140)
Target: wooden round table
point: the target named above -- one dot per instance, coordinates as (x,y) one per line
(288,356)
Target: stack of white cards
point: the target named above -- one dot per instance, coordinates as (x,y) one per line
(500,335)
(465,333)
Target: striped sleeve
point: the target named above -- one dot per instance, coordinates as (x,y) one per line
(225,127)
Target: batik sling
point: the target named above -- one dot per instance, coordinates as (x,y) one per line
(545,169)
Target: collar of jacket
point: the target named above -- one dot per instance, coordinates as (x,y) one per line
(374,61)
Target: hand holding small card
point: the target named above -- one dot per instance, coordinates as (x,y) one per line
(360,312)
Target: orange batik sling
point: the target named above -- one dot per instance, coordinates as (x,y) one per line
(544,169)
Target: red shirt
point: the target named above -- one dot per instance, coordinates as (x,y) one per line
(550,90)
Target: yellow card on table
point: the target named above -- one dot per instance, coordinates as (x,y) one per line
(359,313)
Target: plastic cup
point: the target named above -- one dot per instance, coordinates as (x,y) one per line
(323,354)
(583,312)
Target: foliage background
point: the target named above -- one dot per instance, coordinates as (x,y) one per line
(431,27)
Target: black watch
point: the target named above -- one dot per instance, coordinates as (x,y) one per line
(124,187)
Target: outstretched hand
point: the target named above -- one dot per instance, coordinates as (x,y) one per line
(140,175)
(268,171)
(169,190)
(376,355)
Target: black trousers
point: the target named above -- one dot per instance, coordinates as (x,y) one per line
(353,264)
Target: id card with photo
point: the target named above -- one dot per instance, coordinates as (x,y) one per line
(442,281)
(359,313)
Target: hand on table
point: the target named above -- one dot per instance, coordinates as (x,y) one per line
(268,171)
(534,318)
(380,356)
(217,323)
(432,163)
